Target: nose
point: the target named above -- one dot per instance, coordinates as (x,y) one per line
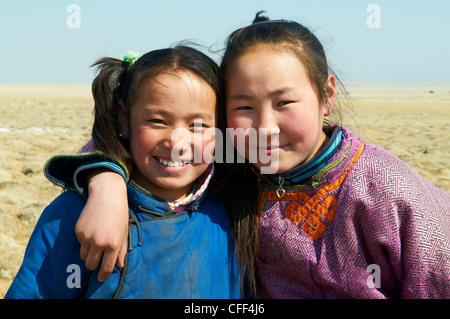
(266,118)
(267,125)
(178,141)
(172,138)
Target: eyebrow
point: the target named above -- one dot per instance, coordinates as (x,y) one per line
(205,116)
(241,96)
(244,96)
(281,91)
(162,112)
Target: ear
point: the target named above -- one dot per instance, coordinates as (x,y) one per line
(331,94)
(123,120)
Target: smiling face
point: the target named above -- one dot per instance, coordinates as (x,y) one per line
(269,89)
(170,101)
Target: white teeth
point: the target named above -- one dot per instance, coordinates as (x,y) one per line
(171,164)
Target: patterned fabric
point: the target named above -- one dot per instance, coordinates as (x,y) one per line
(366,226)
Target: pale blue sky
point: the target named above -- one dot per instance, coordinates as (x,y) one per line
(412,47)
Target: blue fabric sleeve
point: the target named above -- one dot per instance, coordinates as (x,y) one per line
(80,184)
(64,170)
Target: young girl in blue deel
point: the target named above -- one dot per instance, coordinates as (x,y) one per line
(179,238)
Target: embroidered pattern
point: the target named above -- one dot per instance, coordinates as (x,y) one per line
(313,210)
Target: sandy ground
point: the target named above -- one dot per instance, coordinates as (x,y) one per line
(38,121)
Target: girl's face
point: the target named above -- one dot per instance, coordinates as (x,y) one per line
(170,101)
(267,89)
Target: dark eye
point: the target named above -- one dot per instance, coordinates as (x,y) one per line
(282,103)
(199,125)
(157,121)
(244,108)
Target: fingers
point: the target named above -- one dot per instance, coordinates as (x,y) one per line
(108,254)
(84,250)
(120,263)
(112,257)
(93,258)
(109,259)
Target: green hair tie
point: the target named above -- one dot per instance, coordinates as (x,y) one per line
(131,57)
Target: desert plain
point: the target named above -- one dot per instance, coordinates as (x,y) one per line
(38,121)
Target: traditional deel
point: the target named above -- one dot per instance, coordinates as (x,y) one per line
(365,226)
(171,254)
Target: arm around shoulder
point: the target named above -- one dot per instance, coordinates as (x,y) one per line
(65,170)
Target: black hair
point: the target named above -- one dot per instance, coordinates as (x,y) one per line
(284,35)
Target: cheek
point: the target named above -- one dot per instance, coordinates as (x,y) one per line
(300,121)
(297,135)
(298,129)
(199,146)
(239,122)
(208,144)
(141,141)
(203,140)
(208,148)
(302,137)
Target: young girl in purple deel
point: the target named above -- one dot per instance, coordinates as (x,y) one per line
(338,217)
